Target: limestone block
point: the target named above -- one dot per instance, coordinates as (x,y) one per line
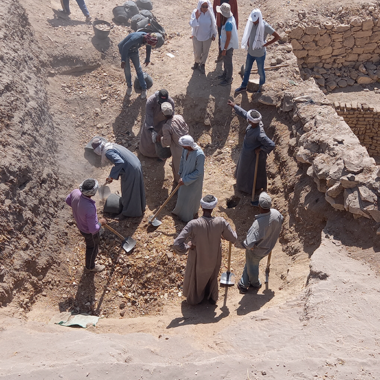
(321,184)
(352,202)
(352,57)
(368,24)
(331,85)
(367,195)
(296,33)
(357,50)
(328,25)
(342,83)
(338,52)
(363,33)
(296,45)
(356,21)
(369,48)
(336,172)
(353,160)
(335,190)
(324,40)
(354,74)
(320,51)
(341,28)
(347,34)
(364,57)
(253,84)
(287,102)
(320,82)
(309,126)
(375,58)
(300,53)
(374,211)
(372,75)
(361,42)
(307,38)
(337,203)
(337,37)
(310,46)
(304,156)
(312,30)
(337,45)
(309,60)
(375,37)
(322,165)
(349,42)
(364,79)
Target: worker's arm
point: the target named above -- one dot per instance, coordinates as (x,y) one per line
(148,52)
(68,199)
(179,244)
(267,145)
(118,162)
(224,51)
(228,233)
(275,38)
(194,18)
(166,138)
(238,110)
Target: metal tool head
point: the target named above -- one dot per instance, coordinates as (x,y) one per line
(241,72)
(255,203)
(227,279)
(104,191)
(154,221)
(128,244)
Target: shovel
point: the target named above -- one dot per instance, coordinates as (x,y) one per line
(104,191)
(255,203)
(127,243)
(228,278)
(267,270)
(155,222)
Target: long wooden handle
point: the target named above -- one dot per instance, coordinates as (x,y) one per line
(229,256)
(255,177)
(164,204)
(268,262)
(115,232)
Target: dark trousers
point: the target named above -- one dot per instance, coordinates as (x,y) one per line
(92,248)
(219,33)
(228,67)
(82,6)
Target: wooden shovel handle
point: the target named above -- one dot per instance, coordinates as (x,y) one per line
(255,176)
(115,232)
(268,262)
(164,204)
(229,256)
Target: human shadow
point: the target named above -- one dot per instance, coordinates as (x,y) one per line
(202,313)
(61,19)
(252,301)
(101,44)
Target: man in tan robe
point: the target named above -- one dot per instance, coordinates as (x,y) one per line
(205,253)
(174,128)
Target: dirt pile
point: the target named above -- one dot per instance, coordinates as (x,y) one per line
(28,171)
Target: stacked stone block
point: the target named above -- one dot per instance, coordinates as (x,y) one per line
(364,121)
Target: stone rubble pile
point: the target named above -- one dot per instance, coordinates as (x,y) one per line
(338,163)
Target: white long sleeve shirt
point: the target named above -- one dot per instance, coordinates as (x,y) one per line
(203,28)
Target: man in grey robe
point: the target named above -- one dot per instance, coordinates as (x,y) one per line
(191,172)
(261,239)
(204,253)
(255,141)
(154,120)
(127,167)
(174,128)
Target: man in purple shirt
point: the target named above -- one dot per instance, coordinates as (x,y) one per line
(84,212)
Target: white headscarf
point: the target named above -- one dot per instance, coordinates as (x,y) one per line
(209,205)
(187,140)
(254,116)
(102,148)
(89,192)
(209,11)
(259,37)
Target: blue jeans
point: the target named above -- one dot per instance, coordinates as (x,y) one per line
(81,4)
(250,274)
(134,57)
(248,67)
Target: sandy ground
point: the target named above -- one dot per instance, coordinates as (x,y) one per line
(317,322)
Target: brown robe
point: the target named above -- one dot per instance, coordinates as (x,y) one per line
(203,263)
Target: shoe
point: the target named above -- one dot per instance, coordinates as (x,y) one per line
(219,58)
(211,301)
(96,269)
(259,90)
(143,94)
(195,66)
(202,69)
(223,76)
(129,91)
(242,289)
(240,89)
(225,83)
(88,19)
(154,137)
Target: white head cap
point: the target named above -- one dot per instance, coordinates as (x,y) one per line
(187,140)
(265,201)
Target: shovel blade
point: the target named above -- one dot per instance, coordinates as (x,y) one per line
(154,222)
(128,244)
(227,279)
(104,192)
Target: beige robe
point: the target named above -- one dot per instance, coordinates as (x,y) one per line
(203,263)
(172,130)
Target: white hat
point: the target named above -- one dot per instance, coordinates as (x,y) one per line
(225,10)
(209,202)
(254,16)
(265,201)
(167,109)
(187,140)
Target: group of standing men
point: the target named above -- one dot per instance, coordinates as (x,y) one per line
(165,134)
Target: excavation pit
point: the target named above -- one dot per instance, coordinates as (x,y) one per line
(233,202)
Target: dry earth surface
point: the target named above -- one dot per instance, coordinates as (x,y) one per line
(317,318)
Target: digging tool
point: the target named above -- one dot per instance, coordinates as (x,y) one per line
(155,222)
(228,278)
(104,191)
(255,203)
(127,243)
(267,270)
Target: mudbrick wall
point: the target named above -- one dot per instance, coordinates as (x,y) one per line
(332,154)
(339,55)
(28,171)
(364,120)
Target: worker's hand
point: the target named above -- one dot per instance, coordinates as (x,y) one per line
(109,180)
(147,63)
(102,221)
(191,245)
(213,38)
(122,65)
(180,182)
(257,150)
(224,52)
(231,103)
(197,14)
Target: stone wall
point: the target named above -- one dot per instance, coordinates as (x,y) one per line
(327,47)
(332,154)
(364,121)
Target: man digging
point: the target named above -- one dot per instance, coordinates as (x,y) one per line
(204,253)
(261,239)
(84,213)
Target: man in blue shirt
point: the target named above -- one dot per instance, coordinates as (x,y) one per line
(254,40)
(129,50)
